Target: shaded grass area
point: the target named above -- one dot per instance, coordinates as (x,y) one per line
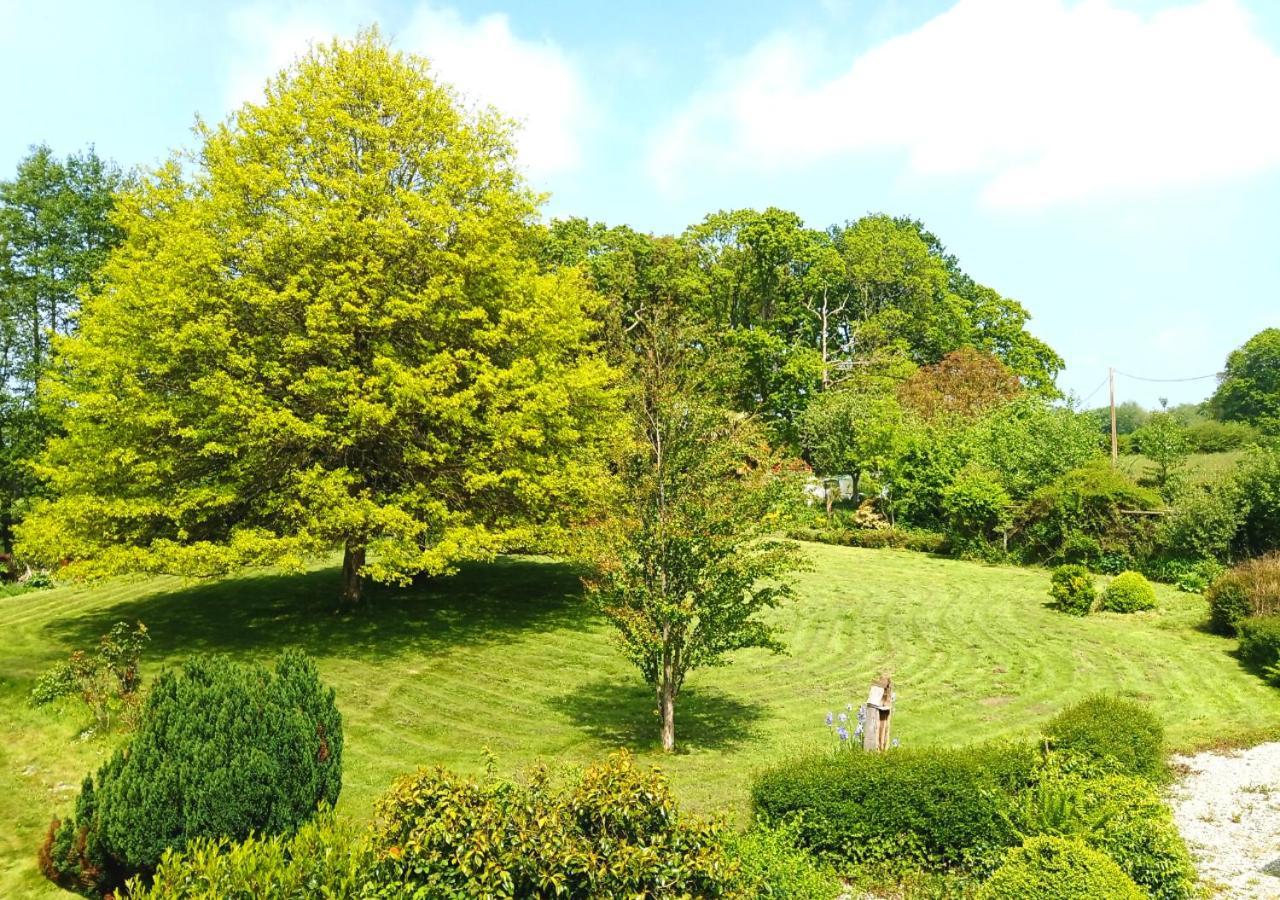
(507,656)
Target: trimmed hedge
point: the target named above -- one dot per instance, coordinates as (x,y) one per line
(771,864)
(874,538)
(1129,592)
(223,751)
(1072,590)
(932,808)
(1110,730)
(1056,868)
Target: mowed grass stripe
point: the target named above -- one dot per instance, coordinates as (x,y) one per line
(509,656)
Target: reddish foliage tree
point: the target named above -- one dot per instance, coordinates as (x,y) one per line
(964,384)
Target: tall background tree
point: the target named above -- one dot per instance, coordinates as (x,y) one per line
(1249,387)
(329,334)
(55,233)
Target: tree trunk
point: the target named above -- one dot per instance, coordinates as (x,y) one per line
(352,580)
(668,718)
(857,479)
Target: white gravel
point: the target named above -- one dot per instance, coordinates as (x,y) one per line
(1228,809)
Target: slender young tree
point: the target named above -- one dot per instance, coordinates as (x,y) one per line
(326,331)
(687,565)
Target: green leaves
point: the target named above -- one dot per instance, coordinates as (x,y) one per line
(328,333)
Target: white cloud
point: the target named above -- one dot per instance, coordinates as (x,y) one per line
(1046,101)
(531,81)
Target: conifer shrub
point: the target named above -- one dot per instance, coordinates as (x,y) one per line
(1058,868)
(1072,590)
(933,808)
(222,750)
(1129,592)
(1108,729)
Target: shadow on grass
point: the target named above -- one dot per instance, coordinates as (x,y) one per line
(262,615)
(624,714)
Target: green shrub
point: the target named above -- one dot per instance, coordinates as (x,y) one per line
(1103,728)
(1250,589)
(1205,521)
(977,507)
(932,808)
(1260,643)
(1129,592)
(1072,590)
(771,864)
(1055,868)
(107,680)
(1259,481)
(1212,436)
(1084,515)
(222,751)
(327,857)
(914,539)
(615,832)
(1121,815)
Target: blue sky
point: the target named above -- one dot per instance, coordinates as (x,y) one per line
(1113,164)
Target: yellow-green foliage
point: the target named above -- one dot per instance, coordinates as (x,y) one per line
(1054,868)
(1129,592)
(614,832)
(1252,588)
(1072,590)
(326,329)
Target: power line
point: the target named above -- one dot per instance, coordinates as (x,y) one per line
(1095,390)
(1166,380)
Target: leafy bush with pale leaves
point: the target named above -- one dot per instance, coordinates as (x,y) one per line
(1072,590)
(1056,868)
(1106,728)
(1129,592)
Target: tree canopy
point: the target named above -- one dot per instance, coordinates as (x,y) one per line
(325,329)
(1249,387)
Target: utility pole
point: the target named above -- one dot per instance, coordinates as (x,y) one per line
(1115,443)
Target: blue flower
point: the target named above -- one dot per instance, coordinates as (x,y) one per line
(843,732)
(895,742)
(857,732)
(862,714)
(843,717)
(828,718)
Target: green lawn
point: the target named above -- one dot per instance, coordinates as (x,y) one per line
(1201,467)
(506,655)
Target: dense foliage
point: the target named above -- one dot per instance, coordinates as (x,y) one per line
(933,808)
(1103,728)
(1260,643)
(222,751)
(1250,384)
(1251,588)
(615,831)
(106,679)
(1087,516)
(326,331)
(1055,868)
(1129,592)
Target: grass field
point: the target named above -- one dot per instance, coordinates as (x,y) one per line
(506,655)
(1200,467)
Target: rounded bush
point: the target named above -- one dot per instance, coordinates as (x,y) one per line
(1107,729)
(1055,868)
(1252,588)
(770,864)
(1072,590)
(1129,592)
(934,808)
(222,751)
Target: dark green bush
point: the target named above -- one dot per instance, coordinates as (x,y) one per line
(1204,522)
(874,538)
(327,857)
(615,832)
(933,808)
(1260,643)
(1129,592)
(1056,868)
(1084,516)
(1072,590)
(1259,481)
(222,751)
(1212,436)
(1104,728)
(1250,589)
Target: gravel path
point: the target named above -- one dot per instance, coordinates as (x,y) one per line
(1228,809)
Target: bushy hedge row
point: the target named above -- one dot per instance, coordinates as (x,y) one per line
(933,808)
(612,832)
(223,750)
(874,538)
(1110,730)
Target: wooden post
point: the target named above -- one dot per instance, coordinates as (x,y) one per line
(1115,441)
(877,713)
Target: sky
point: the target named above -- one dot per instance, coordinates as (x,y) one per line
(1112,164)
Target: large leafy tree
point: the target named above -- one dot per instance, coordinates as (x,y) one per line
(55,233)
(852,432)
(330,333)
(686,565)
(1249,387)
